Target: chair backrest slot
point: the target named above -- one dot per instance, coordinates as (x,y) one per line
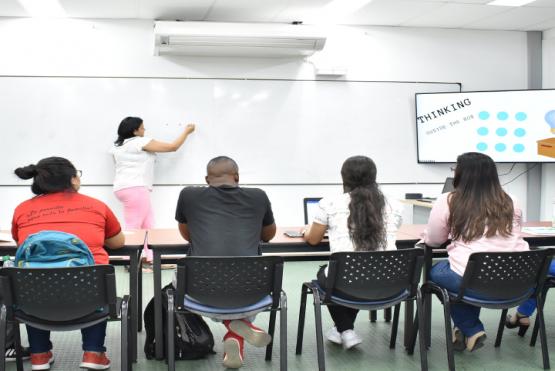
(375,275)
(230,282)
(60,294)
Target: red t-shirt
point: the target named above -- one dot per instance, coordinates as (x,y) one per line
(88,218)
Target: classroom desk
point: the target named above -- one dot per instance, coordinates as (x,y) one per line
(168,244)
(420,210)
(129,254)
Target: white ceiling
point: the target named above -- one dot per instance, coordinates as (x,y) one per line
(471,14)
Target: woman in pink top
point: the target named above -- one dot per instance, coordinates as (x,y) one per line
(478,216)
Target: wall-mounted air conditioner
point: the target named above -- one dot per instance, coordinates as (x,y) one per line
(236,39)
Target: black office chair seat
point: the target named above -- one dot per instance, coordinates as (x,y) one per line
(491,303)
(362,304)
(194,306)
(70,325)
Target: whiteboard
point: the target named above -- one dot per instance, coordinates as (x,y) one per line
(278,131)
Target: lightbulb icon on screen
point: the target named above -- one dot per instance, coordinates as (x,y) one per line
(550,119)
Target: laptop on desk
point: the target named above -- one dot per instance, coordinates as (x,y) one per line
(310,205)
(447,187)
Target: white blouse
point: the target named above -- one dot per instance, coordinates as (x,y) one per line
(134,166)
(334,212)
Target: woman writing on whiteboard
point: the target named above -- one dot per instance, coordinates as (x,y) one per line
(134,155)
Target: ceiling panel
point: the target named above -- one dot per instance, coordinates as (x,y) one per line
(299,10)
(390,12)
(454,15)
(245,10)
(190,10)
(521,18)
(101,8)
(539,15)
(12,8)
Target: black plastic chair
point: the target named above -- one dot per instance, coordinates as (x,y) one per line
(506,278)
(229,288)
(61,299)
(379,279)
(549,284)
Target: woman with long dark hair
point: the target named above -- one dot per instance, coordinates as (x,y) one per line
(56,184)
(478,216)
(359,219)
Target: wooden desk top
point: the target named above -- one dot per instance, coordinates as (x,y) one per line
(427,205)
(133,239)
(171,236)
(415,231)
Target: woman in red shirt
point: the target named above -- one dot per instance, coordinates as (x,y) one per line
(58,206)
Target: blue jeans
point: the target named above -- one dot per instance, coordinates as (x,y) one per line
(466,317)
(93,338)
(529,306)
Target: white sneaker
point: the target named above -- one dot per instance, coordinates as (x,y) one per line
(350,339)
(334,336)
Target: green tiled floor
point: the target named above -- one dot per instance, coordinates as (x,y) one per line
(374,353)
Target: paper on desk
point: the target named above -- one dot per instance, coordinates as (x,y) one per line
(6,237)
(540,231)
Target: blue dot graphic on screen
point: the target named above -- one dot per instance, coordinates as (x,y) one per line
(500,147)
(520,132)
(483,131)
(502,115)
(520,116)
(501,132)
(484,115)
(518,148)
(481,146)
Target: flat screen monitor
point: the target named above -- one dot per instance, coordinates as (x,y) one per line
(508,126)
(310,205)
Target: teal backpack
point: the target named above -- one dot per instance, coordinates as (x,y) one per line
(53,249)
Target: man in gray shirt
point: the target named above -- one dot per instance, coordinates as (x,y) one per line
(224,219)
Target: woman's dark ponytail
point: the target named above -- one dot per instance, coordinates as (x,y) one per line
(50,175)
(26,172)
(127,129)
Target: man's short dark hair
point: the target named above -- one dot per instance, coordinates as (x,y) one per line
(221,160)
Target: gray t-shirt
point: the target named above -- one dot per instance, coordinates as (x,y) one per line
(225,220)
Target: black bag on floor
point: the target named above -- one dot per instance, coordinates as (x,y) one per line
(193,338)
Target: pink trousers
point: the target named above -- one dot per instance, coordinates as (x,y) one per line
(137,211)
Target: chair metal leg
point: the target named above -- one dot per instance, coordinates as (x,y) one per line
(319,335)
(170,354)
(420,329)
(125,331)
(283,332)
(302,312)
(535,333)
(271,331)
(3,326)
(395,326)
(501,327)
(543,337)
(140,299)
(18,348)
(387,314)
(373,316)
(448,331)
